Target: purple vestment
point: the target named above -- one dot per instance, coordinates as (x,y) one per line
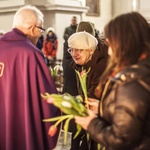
(23,77)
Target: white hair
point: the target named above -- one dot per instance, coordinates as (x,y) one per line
(27,16)
(2,32)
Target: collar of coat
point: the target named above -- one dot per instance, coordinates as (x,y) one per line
(98,54)
(135,72)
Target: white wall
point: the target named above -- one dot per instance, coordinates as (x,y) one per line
(58,13)
(60,26)
(105,15)
(144,7)
(6,20)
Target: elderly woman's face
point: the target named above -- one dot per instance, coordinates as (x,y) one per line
(81,56)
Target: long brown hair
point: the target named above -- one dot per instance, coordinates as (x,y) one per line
(129,37)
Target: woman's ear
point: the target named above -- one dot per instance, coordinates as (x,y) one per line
(92,52)
(107,41)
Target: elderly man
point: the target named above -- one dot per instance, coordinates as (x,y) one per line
(23,77)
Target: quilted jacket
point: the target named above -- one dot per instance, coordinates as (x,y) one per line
(124,118)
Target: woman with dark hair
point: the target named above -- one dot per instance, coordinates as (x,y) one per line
(123,114)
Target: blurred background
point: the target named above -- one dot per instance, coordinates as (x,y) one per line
(58,13)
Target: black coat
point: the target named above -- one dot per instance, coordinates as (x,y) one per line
(97,66)
(69,73)
(124,122)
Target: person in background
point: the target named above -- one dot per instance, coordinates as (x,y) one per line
(50,47)
(23,78)
(40,41)
(69,73)
(122,117)
(86,55)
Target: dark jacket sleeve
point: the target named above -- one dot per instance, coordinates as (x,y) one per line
(125,113)
(66,34)
(96,71)
(94,78)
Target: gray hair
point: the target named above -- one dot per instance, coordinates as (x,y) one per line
(27,16)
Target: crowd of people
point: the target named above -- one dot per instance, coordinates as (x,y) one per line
(118,83)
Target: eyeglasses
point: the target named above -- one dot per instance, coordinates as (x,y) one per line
(40,28)
(71,50)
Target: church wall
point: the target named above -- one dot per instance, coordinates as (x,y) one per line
(58,13)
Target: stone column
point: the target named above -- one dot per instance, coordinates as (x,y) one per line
(58,14)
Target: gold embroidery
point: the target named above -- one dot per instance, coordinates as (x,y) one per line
(1,68)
